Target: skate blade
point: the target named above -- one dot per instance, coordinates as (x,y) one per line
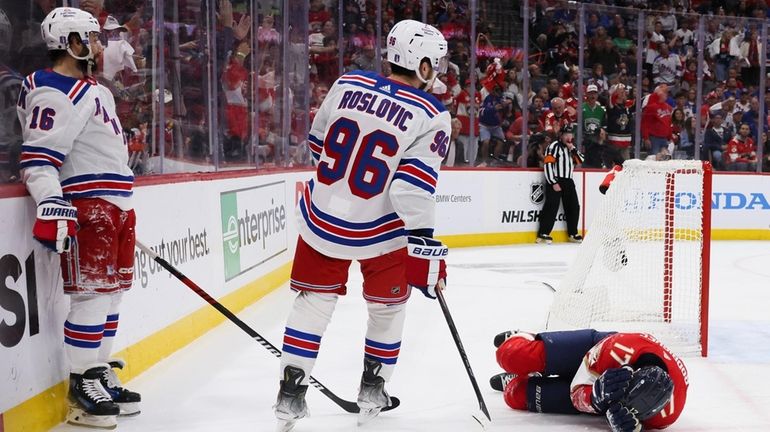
(129,409)
(78,417)
(366,415)
(285,425)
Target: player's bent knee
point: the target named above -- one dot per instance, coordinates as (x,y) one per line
(515,394)
(521,355)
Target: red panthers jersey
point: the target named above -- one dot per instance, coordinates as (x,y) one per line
(625,349)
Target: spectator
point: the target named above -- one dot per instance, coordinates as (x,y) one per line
(741,153)
(667,68)
(620,126)
(118,54)
(598,79)
(656,120)
(715,141)
(455,153)
(687,138)
(594,128)
(234,82)
(557,118)
(490,125)
(751,116)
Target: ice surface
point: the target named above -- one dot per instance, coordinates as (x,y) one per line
(225,381)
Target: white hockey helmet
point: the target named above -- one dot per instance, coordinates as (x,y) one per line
(62,21)
(410,41)
(6,32)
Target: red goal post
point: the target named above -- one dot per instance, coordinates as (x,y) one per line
(644,264)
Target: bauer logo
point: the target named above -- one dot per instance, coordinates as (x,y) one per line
(253,226)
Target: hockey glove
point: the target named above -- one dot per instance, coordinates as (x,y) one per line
(622,420)
(610,387)
(56,223)
(425,265)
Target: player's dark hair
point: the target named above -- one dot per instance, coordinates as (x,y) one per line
(57,55)
(402,71)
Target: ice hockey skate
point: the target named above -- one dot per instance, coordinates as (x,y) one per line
(544,238)
(127,400)
(500,381)
(372,397)
(291,405)
(90,404)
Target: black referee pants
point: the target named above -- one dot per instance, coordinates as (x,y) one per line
(568,197)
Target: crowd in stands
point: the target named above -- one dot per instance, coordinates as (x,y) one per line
(241,92)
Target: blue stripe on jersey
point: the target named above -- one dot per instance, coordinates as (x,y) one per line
(34,149)
(402,99)
(421,165)
(315,140)
(98,192)
(346,224)
(82,93)
(102,176)
(345,241)
(414,181)
(383,360)
(382,81)
(49,78)
(302,335)
(32,163)
(384,346)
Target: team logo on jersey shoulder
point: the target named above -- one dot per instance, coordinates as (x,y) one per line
(536,193)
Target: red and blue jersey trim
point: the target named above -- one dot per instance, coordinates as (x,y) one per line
(300,343)
(316,146)
(382,352)
(111,326)
(417,173)
(40,156)
(83,336)
(338,231)
(91,185)
(404,93)
(75,89)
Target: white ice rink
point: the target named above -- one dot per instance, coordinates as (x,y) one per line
(225,381)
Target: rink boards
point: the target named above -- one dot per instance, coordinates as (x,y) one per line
(234,234)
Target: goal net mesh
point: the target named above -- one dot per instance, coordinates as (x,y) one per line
(640,266)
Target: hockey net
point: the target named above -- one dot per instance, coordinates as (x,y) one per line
(643,266)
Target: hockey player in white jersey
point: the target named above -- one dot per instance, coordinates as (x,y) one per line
(74,164)
(379,142)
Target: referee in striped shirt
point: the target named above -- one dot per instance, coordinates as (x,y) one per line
(559,163)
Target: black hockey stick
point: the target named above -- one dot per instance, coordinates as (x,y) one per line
(348,406)
(453,329)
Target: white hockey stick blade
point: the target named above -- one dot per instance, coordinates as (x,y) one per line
(481,419)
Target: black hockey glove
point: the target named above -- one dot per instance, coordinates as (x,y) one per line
(610,387)
(622,420)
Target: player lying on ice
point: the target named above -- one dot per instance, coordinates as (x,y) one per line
(630,378)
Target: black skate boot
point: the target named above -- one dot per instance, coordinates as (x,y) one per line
(127,400)
(544,238)
(291,405)
(372,397)
(90,404)
(501,380)
(576,238)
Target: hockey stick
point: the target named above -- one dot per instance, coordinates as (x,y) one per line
(458,343)
(351,407)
